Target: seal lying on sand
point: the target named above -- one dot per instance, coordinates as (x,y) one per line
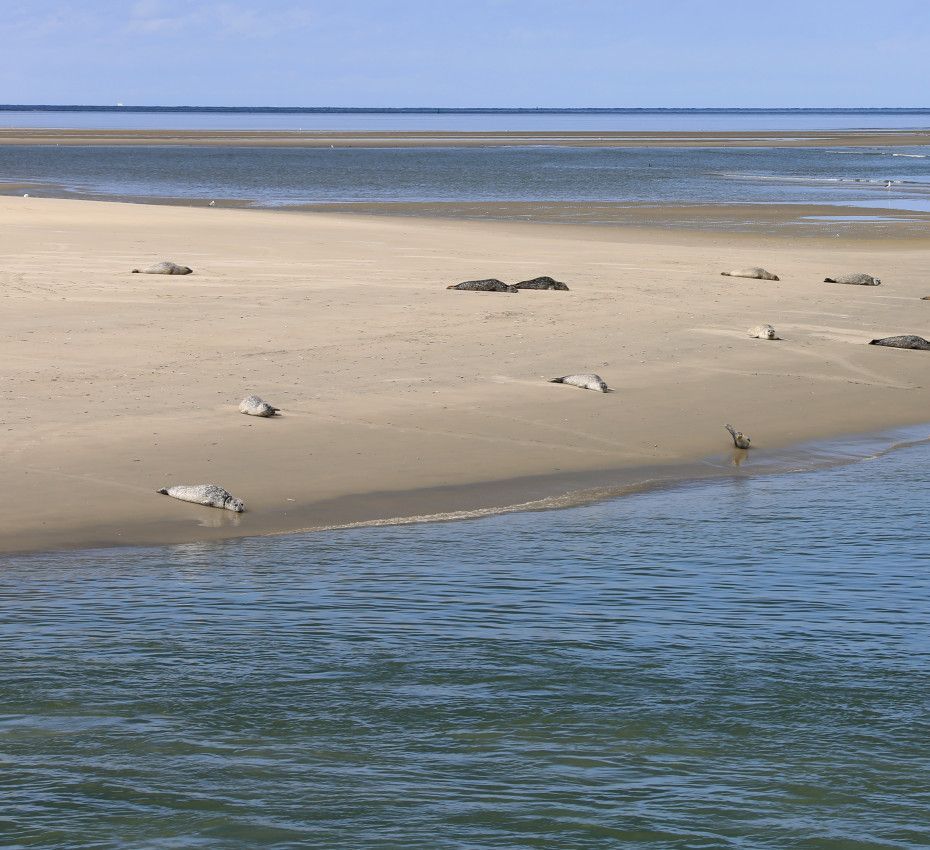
(587,381)
(166,267)
(254,406)
(740,440)
(858,279)
(544,282)
(211,495)
(753,272)
(762,332)
(490,285)
(917,343)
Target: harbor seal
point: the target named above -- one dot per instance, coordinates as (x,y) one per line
(762,332)
(915,343)
(254,406)
(857,279)
(753,272)
(166,267)
(588,381)
(490,285)
(544,282)
(740,440)
(211,495)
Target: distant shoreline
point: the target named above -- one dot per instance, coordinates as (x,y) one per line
(474,110)
(490,138)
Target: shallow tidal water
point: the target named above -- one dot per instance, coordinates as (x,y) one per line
(897,177)
(743,663)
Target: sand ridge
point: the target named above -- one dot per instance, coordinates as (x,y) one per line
(117,384)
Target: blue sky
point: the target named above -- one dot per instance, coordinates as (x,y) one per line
(477,53)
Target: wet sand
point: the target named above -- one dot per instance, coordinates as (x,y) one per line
(401,397)
(787,220)
(833,221)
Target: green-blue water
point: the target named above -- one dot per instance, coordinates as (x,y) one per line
(737,664)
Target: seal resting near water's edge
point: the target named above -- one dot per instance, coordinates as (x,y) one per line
(762,332)
(858,279)
(490,285)
(915,343)
(211,495)
(166,267)
(740,440)
(753,272)
(254,406)
(588,381)
(544,282)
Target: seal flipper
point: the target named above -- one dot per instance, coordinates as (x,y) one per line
(163,491)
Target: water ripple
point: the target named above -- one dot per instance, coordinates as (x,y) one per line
(739,664)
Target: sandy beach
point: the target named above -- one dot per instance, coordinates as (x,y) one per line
(399,397)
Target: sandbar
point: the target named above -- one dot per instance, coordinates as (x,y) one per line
(400,397)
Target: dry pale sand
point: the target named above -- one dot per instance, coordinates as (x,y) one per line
(428,138)
(401,397)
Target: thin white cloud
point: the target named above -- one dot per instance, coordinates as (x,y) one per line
(218,20)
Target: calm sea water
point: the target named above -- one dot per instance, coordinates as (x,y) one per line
(619,119)
(276,176)
(739,664)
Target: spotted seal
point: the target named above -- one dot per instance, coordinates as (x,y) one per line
(211,495)
(544,282)
(254,406)
(752,272)
(762,332)
(740,440)
(492,284)
(587,381)
(167,267)
(915,343)
(857,279)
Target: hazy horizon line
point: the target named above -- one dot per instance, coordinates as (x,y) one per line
(119,107)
